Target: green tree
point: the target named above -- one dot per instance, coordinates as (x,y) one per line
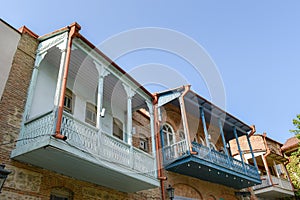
(296,123)
(294,160)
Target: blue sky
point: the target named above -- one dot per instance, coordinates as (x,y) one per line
(254,44)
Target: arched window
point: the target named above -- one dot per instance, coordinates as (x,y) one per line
(168,135)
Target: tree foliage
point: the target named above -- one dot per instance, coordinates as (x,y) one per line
(294,160)
(296,123)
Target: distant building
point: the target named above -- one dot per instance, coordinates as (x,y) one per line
(291,145)
(74,125)
(271,162)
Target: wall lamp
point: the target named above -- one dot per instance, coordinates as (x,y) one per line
(170,191)
(3,175)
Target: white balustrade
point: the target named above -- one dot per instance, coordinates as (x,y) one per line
(175,151)
(88,139)
(277,182)
(34,129)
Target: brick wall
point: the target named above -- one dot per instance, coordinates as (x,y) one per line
(14,95)
(257,144)
(141,123)
(172,115)
(195,188)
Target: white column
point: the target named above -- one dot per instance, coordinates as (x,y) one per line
(130,93)
(102,74)
(63,48)
(33,80)
(152,129)
(30,94)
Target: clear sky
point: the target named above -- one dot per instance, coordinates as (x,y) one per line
(254,44)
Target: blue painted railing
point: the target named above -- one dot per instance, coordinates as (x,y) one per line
(221,159)
(179,150)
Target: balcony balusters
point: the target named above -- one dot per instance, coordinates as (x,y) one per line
(87,138)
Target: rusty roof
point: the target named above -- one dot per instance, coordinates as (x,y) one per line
(290,143)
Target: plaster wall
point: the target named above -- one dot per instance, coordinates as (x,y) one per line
(9,39)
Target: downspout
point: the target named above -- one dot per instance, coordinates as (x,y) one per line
(186,90)
(73,31)
(265,157)
(160,174)
(253,130)
(288,174)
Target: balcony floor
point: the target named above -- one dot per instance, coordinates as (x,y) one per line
(56,155)
(195,167)
(273,192)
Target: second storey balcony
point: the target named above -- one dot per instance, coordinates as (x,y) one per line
(195,139)
(277,188)
(86,118)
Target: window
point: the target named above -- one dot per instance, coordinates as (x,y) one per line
(61,194)
(91,114)
(117,128)
(168,135)
(144,143)
(181,135)
(69,101)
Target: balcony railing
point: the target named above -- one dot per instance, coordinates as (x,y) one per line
(174,151)
(89,139)
(178,150)
(221,159)
(277,182)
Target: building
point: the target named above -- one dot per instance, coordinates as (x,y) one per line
(271,163)
(74,126)
(291,145)
(86,130)
(195,138)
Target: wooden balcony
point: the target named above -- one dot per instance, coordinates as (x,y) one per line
(87,154)
(279,189)
(210,165)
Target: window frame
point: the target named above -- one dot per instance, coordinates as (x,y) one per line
(168,133)
(120,128)
(70,98)
(145,141)
(92,108)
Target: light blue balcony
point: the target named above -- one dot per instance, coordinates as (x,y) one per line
(100,104)
(87,154)
(210,165)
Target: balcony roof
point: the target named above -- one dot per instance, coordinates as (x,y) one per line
(99,52)
(210,109)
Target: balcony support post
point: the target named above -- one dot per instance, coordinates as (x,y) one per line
(223,140)
(151,112)
(252,154)
(33,81)
(31,89)
(204,127)
(239,148)
(102,74)
(130,93)
(270,182)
